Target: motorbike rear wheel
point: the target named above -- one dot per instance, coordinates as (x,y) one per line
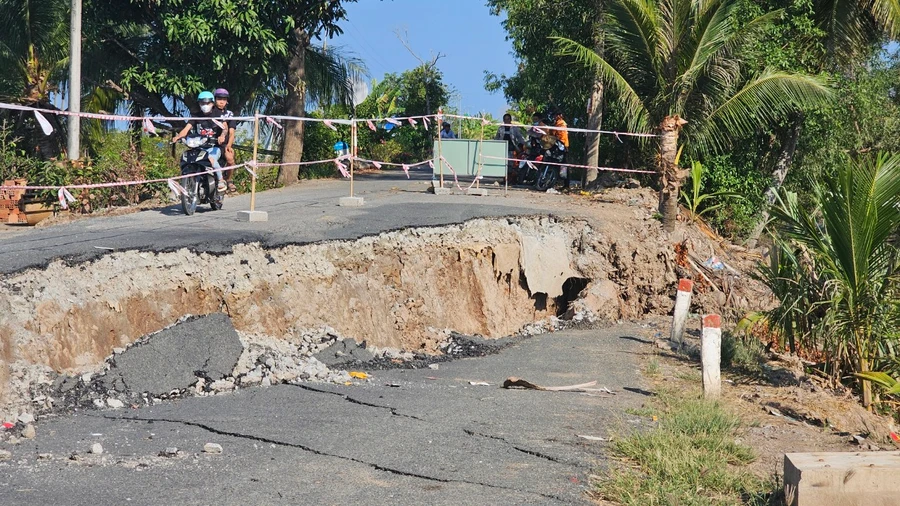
(189,201)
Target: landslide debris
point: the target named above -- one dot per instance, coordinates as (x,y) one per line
(405,293)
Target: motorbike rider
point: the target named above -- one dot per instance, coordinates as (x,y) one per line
(221,96)
(210,128)
(510,133)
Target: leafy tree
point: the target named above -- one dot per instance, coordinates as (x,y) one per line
(415,92)
(541,80)
(835,36)
(673,61)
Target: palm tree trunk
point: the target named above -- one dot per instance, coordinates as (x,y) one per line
(595,109)
(292,150)
(671,177)
(595,120)
(865,384)
(789,147)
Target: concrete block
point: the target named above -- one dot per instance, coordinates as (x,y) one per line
(350,201)
(481,192)
(442,191)
(252,216)
(842,478)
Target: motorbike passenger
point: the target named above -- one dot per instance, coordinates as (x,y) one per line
(212,129)
(221,95)
(562,133)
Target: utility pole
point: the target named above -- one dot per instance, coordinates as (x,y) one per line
(74,122)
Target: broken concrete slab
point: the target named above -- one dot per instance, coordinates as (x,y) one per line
(545,261)
(841,478)
(344,351)
(207,346)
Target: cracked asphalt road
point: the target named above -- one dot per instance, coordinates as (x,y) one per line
(300,214)
(404,437)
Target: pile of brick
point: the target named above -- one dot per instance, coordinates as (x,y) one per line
(12,206)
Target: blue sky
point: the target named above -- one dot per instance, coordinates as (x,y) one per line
(464,30)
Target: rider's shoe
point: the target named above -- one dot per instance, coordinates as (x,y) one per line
(221,186)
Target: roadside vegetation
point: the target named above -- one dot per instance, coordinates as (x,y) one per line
(690,457)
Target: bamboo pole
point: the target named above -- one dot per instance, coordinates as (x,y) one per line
(255,161)
(352,153)
(440,120)
(480,156)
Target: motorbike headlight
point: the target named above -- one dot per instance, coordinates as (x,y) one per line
(193,142)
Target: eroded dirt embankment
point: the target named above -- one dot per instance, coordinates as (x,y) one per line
(399,289)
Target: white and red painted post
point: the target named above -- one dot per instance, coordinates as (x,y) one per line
(682,307)
(711,356)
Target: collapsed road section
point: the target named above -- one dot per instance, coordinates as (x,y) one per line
(404,291)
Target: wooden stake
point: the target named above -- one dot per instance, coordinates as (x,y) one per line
(352,153)
(255,161)
(480,156)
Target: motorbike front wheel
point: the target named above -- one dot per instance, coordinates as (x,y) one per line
(546,179)
(216,200)
(189,201)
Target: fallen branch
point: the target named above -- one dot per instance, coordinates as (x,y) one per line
(703,275)
(513,382)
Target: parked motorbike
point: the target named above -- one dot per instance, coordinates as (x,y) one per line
(542,175)
(202,188)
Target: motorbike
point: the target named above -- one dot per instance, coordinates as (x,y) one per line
(543,175)
(202,188)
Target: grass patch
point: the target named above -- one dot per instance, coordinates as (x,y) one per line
(690,458)
(652,369)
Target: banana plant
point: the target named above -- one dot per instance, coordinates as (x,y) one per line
(891,385)
(695,199)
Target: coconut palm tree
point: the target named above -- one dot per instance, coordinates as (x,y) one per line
(851,240)
(318,76)
(852,26)
(34,45)
(671,65)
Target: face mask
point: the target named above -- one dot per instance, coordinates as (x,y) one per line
(206,107)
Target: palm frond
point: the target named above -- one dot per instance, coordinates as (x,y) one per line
(887,14)
(760,101)
(329,75)
(636,113)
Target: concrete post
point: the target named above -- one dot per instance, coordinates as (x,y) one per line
(682,306)
(711,356)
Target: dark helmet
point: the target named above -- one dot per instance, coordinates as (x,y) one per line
(221,93)
(445,124)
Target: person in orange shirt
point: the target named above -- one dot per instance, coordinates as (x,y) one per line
(562,134)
